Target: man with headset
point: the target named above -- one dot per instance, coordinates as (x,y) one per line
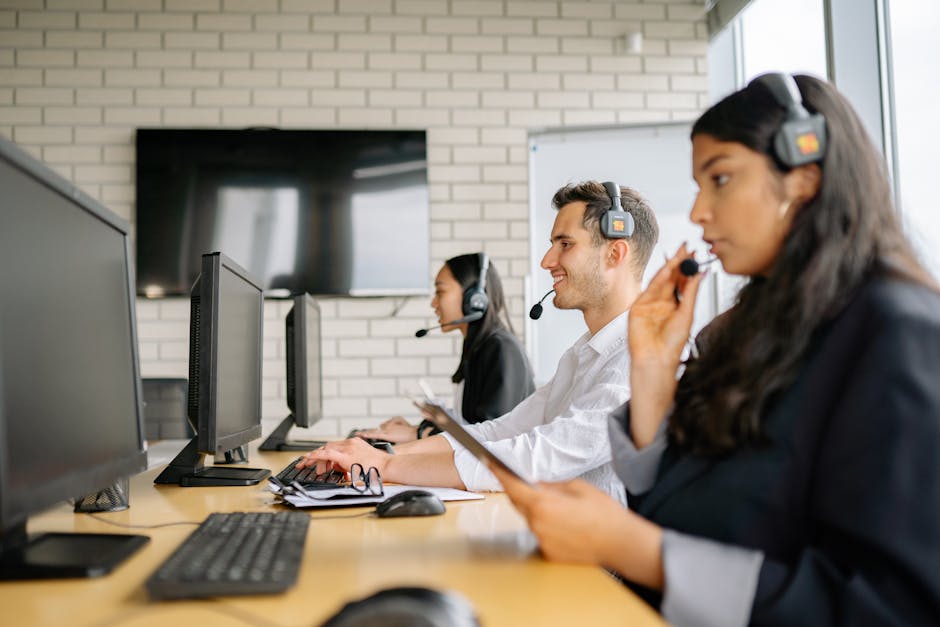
(601,241)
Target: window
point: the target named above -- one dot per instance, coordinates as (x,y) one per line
(915,66)
(783,36)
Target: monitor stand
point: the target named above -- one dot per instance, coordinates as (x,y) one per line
(238,455)
(277,440)
(63,555)
(188,469)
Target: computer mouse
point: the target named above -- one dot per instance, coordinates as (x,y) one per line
(410,503)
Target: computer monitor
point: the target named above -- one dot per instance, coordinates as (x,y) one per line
(70,404)
(304,379)
(224,402)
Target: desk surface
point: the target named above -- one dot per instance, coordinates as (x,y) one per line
(480,549)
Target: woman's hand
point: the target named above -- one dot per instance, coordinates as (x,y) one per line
(395,421)
(660,323)
(661,317)
(343,454)
(395,430)
(575,522)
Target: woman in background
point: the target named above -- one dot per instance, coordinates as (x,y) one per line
(790,477)
(493,375)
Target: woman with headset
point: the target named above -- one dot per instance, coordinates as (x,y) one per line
(791,474)
(493,375)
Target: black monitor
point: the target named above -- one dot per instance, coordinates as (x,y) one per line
(304,379)
(224,406)
(336,211)
(70,405)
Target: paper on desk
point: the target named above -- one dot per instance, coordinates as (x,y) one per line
(319,498)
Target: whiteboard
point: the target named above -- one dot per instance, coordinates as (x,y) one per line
(653,159)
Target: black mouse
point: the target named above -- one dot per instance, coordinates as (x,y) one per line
(410,503)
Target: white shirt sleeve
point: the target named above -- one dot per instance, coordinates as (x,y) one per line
(563,448)
(708,582)
(513,423)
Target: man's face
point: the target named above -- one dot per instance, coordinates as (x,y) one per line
(575,262)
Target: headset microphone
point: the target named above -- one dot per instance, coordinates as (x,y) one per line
(471,318)
(690,267)
(536,312)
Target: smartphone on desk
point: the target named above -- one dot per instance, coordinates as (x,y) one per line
(442,418)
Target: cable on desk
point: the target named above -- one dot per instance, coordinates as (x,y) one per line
(117,524)
(217,606)
(362,515)
(238,613)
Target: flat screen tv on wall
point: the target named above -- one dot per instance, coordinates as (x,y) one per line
(324,212)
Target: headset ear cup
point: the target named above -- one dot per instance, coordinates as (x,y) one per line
(475,300)
(801,138)
(802,141)
(617,225)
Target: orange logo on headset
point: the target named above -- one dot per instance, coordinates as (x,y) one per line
(807,143)
(619,226)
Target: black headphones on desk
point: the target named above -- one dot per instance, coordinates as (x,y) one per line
(801,139)
(475,299)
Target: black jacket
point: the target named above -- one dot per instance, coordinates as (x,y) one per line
(496,377)
(844,501)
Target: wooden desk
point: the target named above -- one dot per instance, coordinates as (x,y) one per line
(480,549)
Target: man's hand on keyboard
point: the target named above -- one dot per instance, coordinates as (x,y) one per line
(343,454)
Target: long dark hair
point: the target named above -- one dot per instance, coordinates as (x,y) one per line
(754,351)
(466,269)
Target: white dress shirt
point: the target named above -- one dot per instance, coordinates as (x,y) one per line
(560,431)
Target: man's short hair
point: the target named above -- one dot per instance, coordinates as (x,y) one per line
(646,230)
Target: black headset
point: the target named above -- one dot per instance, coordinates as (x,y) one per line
(616,223)
(801,139)
(475,299)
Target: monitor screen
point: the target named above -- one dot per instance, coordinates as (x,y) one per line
(225,352)
(322,212)
(230,356)
(304,376)
(304,385)
(70,405)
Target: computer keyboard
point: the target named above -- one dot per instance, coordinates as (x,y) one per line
(308,477)
(234,553)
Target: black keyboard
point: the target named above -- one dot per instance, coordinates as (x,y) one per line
(308,477)
(234,553)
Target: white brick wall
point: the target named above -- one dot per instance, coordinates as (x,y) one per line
(77,76)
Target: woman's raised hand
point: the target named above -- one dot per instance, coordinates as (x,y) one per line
(660,322)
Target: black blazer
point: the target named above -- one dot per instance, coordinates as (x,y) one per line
(844,501)
(496,377)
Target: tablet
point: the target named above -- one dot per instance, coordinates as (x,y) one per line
(440,417)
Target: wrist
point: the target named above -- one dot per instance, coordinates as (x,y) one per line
(385,466)
(654,390)
(634,550)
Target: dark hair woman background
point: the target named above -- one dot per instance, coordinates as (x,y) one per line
(493,375)
(790,475)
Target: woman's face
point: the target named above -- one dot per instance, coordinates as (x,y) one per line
(448,299)
(741,205)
